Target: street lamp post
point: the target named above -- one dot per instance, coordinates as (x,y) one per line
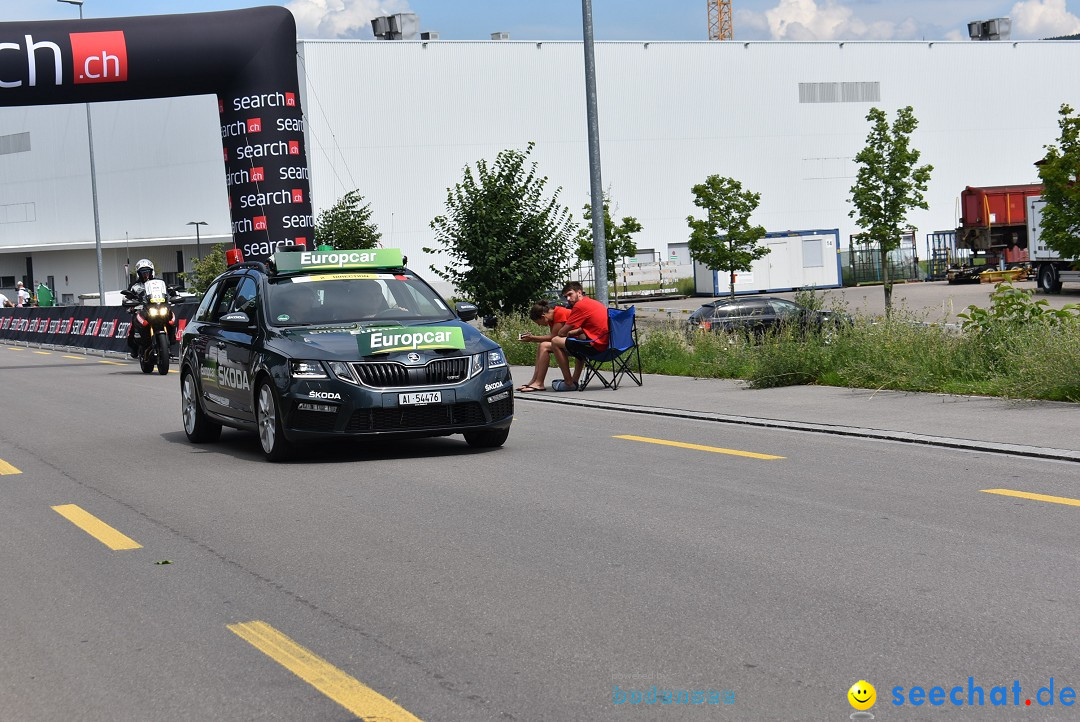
(198,240)
(93,185)
(596,189)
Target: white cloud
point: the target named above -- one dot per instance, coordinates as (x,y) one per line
(828,20)
(1043,19)
(340,18)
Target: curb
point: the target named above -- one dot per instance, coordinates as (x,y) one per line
(905,437)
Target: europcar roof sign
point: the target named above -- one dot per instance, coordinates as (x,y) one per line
(289,261)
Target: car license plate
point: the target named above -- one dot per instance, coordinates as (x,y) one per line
(421,398)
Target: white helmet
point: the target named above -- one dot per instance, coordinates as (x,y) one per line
(144,270)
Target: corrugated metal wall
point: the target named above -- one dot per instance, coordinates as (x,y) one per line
(400,120)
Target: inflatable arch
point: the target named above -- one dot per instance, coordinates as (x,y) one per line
(247,58)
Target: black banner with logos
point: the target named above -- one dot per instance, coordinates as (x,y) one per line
(90,327)
(247,58)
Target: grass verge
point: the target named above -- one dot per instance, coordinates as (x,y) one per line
(1034,357)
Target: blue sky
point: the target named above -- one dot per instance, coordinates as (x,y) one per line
(623,19)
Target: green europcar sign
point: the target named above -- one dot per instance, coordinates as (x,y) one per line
(287,262)
(387,340)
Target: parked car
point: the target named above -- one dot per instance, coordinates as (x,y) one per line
(757,315)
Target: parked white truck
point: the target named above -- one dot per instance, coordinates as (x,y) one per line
(1051,269)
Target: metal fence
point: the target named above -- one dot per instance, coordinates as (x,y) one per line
(863,264)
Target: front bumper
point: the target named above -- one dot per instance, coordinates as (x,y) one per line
(330,408)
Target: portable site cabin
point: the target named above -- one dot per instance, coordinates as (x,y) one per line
(798,259)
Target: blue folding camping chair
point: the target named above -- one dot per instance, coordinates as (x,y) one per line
(621,353)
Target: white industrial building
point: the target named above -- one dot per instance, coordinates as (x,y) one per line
(399,120)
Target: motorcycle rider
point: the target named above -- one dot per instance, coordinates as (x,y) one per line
(144,271)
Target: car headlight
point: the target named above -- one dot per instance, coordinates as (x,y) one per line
(343,371)
(496,358)
(306,369)
(477,364)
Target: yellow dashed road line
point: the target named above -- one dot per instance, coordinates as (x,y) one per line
(77,358)
(6,468)
(1035,497)
(96,527)
(112,363)
(350,693)
(699,447)
(44,353)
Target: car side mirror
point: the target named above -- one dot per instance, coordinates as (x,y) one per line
(235,320)
(466,311)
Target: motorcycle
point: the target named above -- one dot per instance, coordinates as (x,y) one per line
(153,323)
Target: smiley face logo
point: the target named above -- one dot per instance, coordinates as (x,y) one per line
(862,695)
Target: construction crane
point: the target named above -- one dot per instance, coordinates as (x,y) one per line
(720,27)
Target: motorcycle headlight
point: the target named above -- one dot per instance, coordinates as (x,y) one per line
(306,369)
(496,358)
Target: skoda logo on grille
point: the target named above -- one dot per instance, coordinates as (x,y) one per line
(414,358)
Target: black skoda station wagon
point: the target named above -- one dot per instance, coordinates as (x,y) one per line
(317,345)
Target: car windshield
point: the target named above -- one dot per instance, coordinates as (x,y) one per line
(331,298)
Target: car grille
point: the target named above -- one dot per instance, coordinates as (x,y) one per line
(314,420)
(404,418)
(390,374)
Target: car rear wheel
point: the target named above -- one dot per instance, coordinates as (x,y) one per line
(268,420)
(197,426)
(487,438)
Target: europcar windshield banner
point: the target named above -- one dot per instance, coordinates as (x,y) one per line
(247,58)
(396,338)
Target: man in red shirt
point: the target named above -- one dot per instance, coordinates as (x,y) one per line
(585,332)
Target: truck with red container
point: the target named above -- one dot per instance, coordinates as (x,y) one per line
(993,219)
(993,226)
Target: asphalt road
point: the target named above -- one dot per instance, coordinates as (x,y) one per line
(533,582)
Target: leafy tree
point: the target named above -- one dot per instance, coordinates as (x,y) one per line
(725,240)
(347,225)
(888,185)
(1059,171)
(618,240)
(506,242)
(206,269)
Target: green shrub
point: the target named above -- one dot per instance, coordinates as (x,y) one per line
(1012,308)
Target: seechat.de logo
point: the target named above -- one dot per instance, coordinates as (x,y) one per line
(99,57)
